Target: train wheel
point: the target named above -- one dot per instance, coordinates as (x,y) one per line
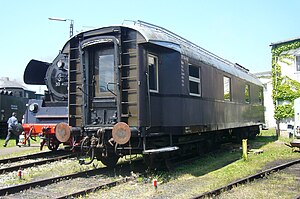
(53,143)
(53,146)
(109,161)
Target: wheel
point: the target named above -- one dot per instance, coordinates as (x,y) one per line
(53,146)
(52,143)
(109,161)
(108,157)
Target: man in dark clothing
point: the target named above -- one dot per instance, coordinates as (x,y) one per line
(12,121)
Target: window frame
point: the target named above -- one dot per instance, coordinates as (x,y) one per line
(247,98)
(102,74)
(195,80)
(230,95)
(156,72)
(261,96)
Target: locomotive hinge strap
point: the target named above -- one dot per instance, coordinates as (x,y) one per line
(161,150)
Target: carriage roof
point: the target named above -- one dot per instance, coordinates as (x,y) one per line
(163,37)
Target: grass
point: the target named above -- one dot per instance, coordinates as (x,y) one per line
(53,169)
(211,171)
(29,150)
(215,165)
(12,142)
(278,185)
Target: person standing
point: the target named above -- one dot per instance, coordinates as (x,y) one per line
(12,121)
(26,137)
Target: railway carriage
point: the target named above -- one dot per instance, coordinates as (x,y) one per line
(141,89)
(9,104)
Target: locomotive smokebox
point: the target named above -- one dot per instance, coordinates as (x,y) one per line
(121,133)
(62,132)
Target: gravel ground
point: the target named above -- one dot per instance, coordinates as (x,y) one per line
(21,162)
(186,185)
(189,185)
(62,188)
(179,188)
(279,185)
(52,169)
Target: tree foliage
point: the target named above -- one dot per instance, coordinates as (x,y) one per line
(284,88)
(284,111)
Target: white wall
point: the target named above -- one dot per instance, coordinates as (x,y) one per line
(290,71)
(268,101)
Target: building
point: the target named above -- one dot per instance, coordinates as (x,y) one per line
(266,79)
(15,88)
(13,98)
(286,63)
(289,60)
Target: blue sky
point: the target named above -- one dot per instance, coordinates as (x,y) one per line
(239,31)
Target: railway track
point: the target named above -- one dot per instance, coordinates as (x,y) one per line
(30,156)
(96,188)
(35,163)
(292,166)
(102,177)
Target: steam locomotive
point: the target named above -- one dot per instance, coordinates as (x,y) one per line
(42,115)
(141,89)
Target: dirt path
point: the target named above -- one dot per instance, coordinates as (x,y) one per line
(9,150)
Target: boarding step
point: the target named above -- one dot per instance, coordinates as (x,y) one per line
(75,59)
(75,93)
(128,65)
(161,150)
(128,53)
(77,72)
(129,41)
(128,115)
(78,105)
(130,90)
(76,116)
(130,103)
(129,78)
(74,48)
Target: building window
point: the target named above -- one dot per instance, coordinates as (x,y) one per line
(227,88)
(194,80)
(247,93)
(297,63)
(153,73)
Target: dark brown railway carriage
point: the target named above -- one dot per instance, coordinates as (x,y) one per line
(143,89)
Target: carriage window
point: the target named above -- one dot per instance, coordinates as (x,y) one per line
(298,63)
(247,93)
(227,94)
(153,73)
(106,72)
(260,96)
(194,80)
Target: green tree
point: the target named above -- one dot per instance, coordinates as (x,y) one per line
(284,88)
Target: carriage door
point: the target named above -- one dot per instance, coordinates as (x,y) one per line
(101,62)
